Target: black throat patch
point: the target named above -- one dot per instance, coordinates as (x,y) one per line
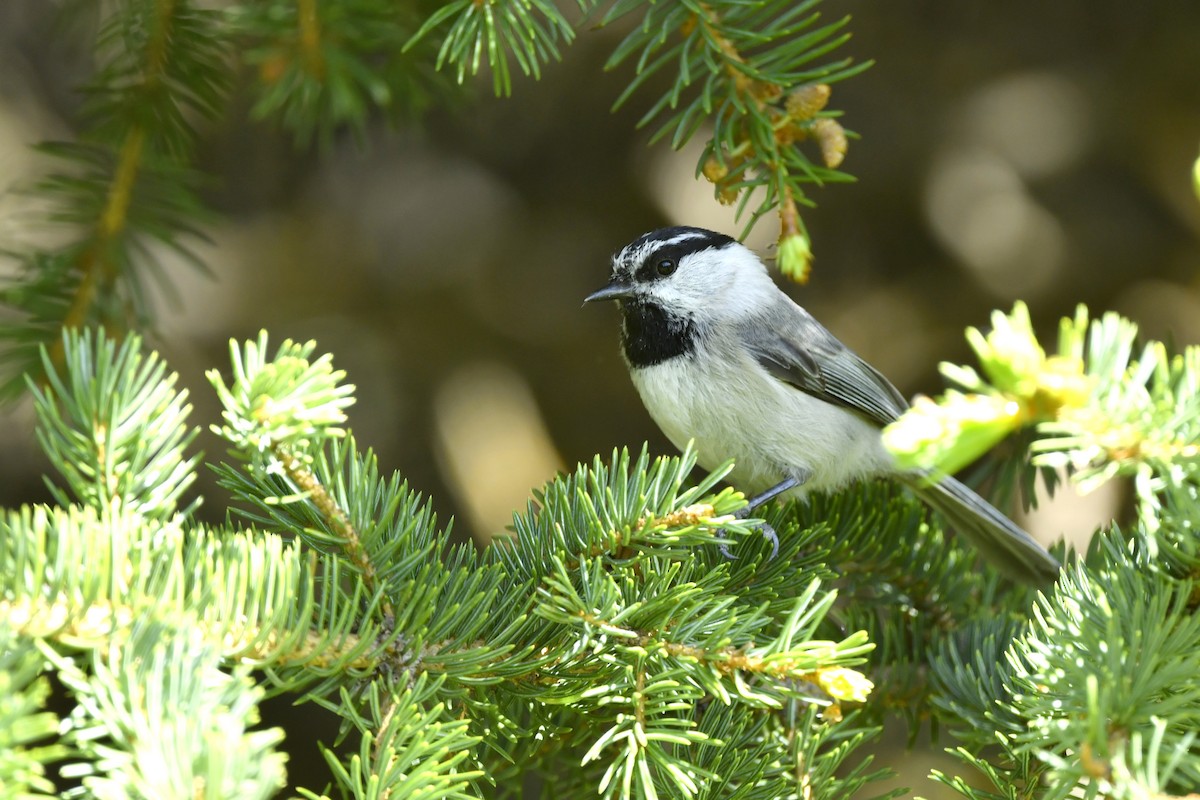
(650,335)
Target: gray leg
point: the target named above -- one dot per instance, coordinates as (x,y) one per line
(785,485)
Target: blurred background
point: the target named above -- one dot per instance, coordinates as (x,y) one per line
(1019,150)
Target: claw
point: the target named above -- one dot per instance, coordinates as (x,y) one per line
(772,537)
(754,502)
(767,531)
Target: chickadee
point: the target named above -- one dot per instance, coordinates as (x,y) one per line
(723,358)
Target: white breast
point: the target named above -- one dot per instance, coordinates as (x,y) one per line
(732,408)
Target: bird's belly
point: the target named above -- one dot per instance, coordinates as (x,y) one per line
(771,430)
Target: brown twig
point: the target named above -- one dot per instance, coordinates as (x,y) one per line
(337,520)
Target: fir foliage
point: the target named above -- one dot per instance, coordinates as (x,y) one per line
(614,643)
(756,74)
(145,728)
(125,185)
(323,67)
(106,452)
(607,646)
(1094,694)
(528,31)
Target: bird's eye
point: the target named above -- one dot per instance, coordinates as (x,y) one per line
(666,266)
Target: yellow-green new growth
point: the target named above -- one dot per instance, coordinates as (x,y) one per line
(287,400)
(951,432)
(846,685)
(795,257)
(1020,385)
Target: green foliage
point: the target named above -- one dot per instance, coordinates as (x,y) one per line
(126,189)
(279,404)
(1100,407)
(753,73)
(529,31)
(407,746)
(1093,694)
(607,645)
(125,184)
(608,639)
(25,725)
(1115,703)
(747,71)
(92,429)
(145,728)
(326,66)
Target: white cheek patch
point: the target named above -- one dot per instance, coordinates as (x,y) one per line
(725,283)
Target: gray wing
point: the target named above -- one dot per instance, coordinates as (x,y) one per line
(797,350)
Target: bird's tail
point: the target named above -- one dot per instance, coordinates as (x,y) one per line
(1011,550)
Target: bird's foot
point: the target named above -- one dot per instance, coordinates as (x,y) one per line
(770,494)
(767,531)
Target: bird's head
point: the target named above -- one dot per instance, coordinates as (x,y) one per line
(688,272)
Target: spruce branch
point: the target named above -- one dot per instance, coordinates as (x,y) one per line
(1128,654)
(753,72)
(609,637)
(275,410)
(323,67)
(1093,698)
(668,637)
(148,729)
(434,610)
(1100,406)
(629,509)
(746,70)
(123,184)
(283,401)
(92,423)
(527,30)
(609,633)
(81,578)
(410,748)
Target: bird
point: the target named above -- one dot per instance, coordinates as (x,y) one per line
(724,360)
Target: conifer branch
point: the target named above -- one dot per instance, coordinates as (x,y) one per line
(95,262)
(189,735)
(85,415)
(1097,408)
(85,578)
(336,519)
(739,67)
(125,181)
(610,633)
(747,61)
(609,645)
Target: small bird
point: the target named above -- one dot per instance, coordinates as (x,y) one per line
(722,358)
